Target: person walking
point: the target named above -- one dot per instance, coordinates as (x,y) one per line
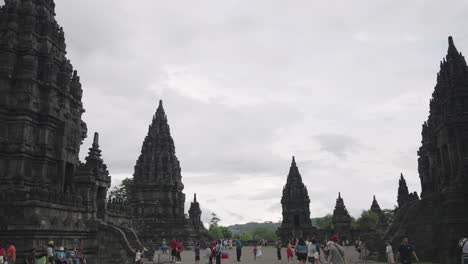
(164,247)
(173,246)
(389,253)
(197,253)
(218,252)
(406,252)
(301,251)
(289,252)
(255,249)
(238,249)
(179,248)
(11,253)
(278,249)
(311,250)
(208,259)
(336,253)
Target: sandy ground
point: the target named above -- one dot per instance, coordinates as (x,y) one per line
(269,257)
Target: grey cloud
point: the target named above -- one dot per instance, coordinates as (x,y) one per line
(245,84)
(339,144)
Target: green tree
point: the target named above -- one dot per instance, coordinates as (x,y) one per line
(388,216)
(123,190)
(246,236)
(214,220)
(367,221)
(263,233)
(325,222)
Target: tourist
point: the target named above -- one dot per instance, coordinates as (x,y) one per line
(311,251)
(218,252)
(164,247)
(179,248)
(301,251)
(259,250)
(60,256)
(11,253)
(278,249)
(360,249)
(389,253)
(2,254)
(255,249)
(138,257)
(289,252)
(238,249)
(325,250)
(197,253)
(173,246)
(405,252)
(317,253)
(208,259)
(336,252)
(50,252)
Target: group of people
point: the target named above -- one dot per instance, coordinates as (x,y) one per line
(405,253)
(48,254)
(310,250)
(8,255)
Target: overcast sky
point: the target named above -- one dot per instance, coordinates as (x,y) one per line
(342,85)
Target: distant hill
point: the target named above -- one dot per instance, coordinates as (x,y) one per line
(249,227)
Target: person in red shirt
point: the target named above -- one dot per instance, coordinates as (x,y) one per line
(11,253)
(2,255)
(179,251)
(173,246)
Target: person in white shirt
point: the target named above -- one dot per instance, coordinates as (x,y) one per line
(390,255)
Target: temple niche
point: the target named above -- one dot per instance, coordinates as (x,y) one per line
(341,220)
(156,198)
(46,193)
(440,214)
(296,213)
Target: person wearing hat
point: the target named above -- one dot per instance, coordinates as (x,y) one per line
(50,252)
(336,252)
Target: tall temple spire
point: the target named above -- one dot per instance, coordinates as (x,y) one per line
(195,197)
(341,218)
(94,152)
(375,207)
(158,163)
(403,193)
(294,177)
(452,50)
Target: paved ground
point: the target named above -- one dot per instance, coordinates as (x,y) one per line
(269,257)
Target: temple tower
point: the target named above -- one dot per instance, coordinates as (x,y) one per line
(195,214)
(46,193)
(341,219)
(403,193)
(443,169)
(375,207)
(157,198)
(296,212)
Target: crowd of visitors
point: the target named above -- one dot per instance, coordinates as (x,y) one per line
(48,254)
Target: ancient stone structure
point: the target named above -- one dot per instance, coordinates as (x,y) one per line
(296,212)
(404,196)
(46,193)
(157,199)
(341,219)
(441,214)
(195,215)
(375,207)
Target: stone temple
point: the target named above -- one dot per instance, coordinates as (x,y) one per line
(157,199)
(296,212)
(341,219)
(437,221)
(46,193)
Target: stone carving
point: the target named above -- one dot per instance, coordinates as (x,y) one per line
(296,213)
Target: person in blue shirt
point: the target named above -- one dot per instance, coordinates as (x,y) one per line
(238,250)
(301,251)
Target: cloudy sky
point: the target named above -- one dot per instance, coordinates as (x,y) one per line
(342,85)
